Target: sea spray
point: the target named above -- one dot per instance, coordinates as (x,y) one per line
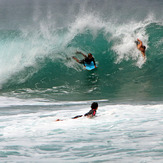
(39,55)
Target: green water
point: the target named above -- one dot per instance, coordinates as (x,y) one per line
(36,60)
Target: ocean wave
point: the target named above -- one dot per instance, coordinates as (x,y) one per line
(40,56)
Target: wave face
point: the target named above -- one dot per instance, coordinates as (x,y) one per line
(38,41)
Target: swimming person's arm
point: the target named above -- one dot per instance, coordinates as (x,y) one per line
(84,64)
(81,53)
(140,43)
(94,62)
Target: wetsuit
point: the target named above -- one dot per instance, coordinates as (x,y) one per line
(91,112)
(88,61)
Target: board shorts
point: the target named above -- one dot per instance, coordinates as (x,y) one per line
(82,61)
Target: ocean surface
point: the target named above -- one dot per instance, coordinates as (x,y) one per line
(40,82)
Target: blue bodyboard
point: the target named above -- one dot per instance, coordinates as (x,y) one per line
(90,66)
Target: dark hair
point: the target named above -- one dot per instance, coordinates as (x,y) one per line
(144,47)
(136,42)
(94,105)
(89,54)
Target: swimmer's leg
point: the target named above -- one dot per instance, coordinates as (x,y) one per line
(77,116)
(77,60)
(143,55)
(58,120)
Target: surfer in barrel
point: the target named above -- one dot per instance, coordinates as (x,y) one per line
(87,59)
(90,114)
(141,47)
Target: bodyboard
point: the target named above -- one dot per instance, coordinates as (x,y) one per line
(90,66)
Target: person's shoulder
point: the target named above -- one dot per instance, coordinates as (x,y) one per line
(88,113)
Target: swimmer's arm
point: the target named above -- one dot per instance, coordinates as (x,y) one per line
(140,43)
(94,63)
(81,53)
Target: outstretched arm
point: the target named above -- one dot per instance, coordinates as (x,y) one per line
(94,63)
(81,53)
(77,60)
(140,42)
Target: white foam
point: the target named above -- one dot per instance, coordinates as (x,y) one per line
(114,116)
(122,35)
(117,130)
(13,101)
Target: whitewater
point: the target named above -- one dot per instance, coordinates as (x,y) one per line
(40,82)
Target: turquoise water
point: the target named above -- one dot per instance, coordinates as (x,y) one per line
(39,59)
(40,82)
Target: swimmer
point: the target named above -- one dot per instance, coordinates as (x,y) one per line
(88,59)
(90,114)
(141,47)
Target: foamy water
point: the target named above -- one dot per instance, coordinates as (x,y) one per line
(40,82)
(118,133)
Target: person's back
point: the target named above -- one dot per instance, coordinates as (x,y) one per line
(89,60)
(92,112)
(141,47)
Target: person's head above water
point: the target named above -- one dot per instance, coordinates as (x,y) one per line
(137,42)
(89,55)
(94,105)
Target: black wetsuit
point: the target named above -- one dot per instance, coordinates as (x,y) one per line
(88,61)
(91,112)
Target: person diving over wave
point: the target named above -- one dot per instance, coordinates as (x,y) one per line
(90,114)
(88,59)
(141,47)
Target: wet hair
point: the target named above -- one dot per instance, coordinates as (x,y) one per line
(94,105)
(136,42)
(89,54)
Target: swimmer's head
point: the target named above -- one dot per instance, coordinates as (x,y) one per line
(89,55)
(94,105)
(137,42)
